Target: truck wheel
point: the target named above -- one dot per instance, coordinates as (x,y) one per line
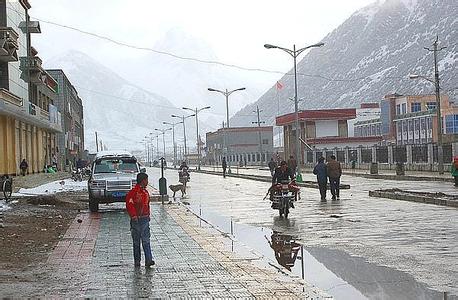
(93,205)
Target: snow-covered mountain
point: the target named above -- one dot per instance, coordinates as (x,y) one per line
(185,82)
(370,55)
(121,112)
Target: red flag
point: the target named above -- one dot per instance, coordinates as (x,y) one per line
(279,86)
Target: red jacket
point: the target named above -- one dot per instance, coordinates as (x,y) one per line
(137,202)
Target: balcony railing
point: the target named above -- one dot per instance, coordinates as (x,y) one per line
(8,44)
(33,63)
(10,97)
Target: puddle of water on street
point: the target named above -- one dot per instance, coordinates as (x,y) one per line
(334,271)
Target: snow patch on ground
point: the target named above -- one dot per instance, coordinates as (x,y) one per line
(67,185)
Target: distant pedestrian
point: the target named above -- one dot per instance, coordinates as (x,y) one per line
(224,165)
(321,173)
(454,170)
(292,164)
(272,166)
(23,166)
(334,171)
(54,160)
(137,204)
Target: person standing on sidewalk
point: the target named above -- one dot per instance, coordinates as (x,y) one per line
(23,166)
(137,204)
(454,170)
(334,171)
(224,165)
(321,173)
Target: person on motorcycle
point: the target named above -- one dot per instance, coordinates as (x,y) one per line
(284,174)
(183,173)
(183,165)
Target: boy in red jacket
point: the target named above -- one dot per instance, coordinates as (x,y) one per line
(137,204)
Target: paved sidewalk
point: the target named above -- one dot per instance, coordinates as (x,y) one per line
(94,259)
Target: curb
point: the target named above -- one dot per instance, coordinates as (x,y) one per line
(413,198)
(308,184)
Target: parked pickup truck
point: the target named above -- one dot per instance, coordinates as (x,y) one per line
(113,175)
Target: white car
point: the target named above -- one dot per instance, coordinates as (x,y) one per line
(113,176)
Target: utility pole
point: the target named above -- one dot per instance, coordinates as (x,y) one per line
(96,142)
(257,111)
(440,149)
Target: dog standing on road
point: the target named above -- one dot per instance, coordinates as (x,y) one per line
(178,187)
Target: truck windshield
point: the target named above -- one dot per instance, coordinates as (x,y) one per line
(115,165)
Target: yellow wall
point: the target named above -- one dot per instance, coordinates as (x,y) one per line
(19,140)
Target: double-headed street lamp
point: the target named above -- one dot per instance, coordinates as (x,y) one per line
(163,138)
(295,53)
(196,112)
(226,93)
(173,139)
(183,118)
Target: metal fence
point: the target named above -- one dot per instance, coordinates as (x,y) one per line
(418,154)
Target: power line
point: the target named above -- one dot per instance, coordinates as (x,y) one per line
(205,61)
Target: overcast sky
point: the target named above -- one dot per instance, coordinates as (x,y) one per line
(236,29)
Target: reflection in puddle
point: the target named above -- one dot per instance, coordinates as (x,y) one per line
(285,248)
(341,275)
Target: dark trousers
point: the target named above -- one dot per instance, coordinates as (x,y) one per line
(323,185)
(456,180)
(140,234)
(224,172)
(335,186)
(24,171)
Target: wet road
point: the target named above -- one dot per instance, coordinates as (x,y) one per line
(416,242)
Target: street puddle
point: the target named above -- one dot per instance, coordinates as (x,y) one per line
(339,274)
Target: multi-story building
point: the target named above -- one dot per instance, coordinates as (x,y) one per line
(71,140)
(250,145)
(29,120)
(367,121)
(320,129)
(415,119)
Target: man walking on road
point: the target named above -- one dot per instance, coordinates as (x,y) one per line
(334,171)
(321,173)
(272,166)
(292,164)
(224,165)
(137,204)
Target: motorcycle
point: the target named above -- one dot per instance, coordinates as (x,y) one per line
(282,196)
(77,175)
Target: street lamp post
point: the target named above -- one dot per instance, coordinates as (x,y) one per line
(295,53)
(163,138)
(173,139)
(183,118)
(226,93)
(196,112)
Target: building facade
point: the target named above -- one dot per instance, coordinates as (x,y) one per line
(416,118)
(71,140)
(321,129)
(29,120)
(240,145)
